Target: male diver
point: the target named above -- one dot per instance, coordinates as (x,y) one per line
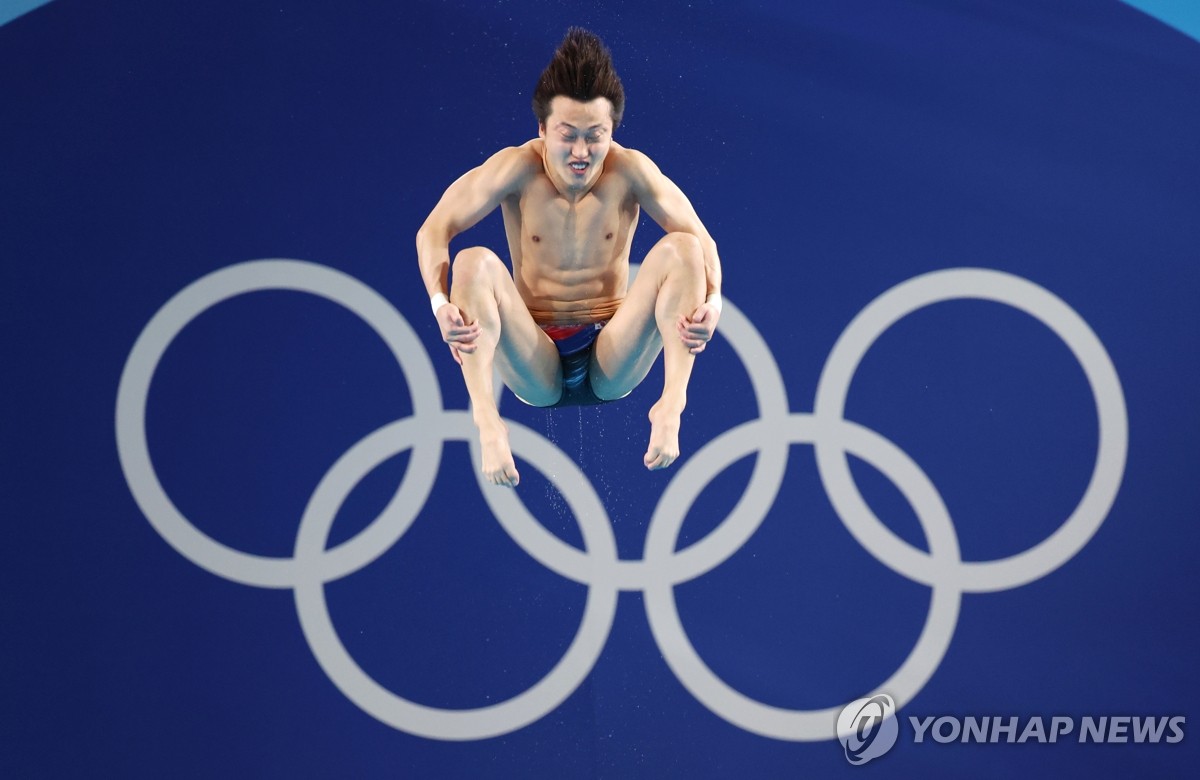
(566,327)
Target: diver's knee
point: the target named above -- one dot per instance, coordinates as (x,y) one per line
(682,249)
(474,263)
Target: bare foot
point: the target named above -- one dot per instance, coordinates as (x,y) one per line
(664,435)
(499,468)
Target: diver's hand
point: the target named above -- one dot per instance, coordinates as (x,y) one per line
(696,331)
(456,332)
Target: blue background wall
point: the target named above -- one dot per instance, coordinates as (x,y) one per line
(834,149)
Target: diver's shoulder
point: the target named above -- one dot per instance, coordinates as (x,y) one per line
(628,161)
(531,150)
(517,161)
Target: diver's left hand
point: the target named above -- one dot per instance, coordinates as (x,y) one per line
(696,331)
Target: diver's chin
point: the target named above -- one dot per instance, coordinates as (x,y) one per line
(577,176)
(576,183)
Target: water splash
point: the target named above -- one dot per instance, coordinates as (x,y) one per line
(553,498)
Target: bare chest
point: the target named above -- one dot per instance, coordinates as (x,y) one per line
(572,234)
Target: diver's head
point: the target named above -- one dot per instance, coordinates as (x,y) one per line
(578,103)
(581,69)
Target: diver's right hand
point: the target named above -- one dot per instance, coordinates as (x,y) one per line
(456,332)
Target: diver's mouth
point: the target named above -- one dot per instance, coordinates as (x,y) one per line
(578,167)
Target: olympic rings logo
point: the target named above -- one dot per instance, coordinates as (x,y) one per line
(597,566)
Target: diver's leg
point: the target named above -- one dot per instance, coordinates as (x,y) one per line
(670,284)
(510,340)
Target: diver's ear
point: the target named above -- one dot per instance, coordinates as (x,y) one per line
(541,130)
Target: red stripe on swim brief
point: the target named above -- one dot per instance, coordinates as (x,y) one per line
(560,332)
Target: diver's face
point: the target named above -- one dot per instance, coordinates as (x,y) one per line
(577,137)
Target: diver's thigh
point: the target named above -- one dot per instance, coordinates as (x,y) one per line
(526,358)
(628,345)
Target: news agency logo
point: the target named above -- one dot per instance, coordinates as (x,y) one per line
(1103,729)
(867,728)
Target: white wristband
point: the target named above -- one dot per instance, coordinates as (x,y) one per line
(438,301)
(714,300)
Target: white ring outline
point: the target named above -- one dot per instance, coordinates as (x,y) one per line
(388,707)
(921,663)
(934,287)
(134,388)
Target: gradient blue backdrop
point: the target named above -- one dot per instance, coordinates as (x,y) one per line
(834,149)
